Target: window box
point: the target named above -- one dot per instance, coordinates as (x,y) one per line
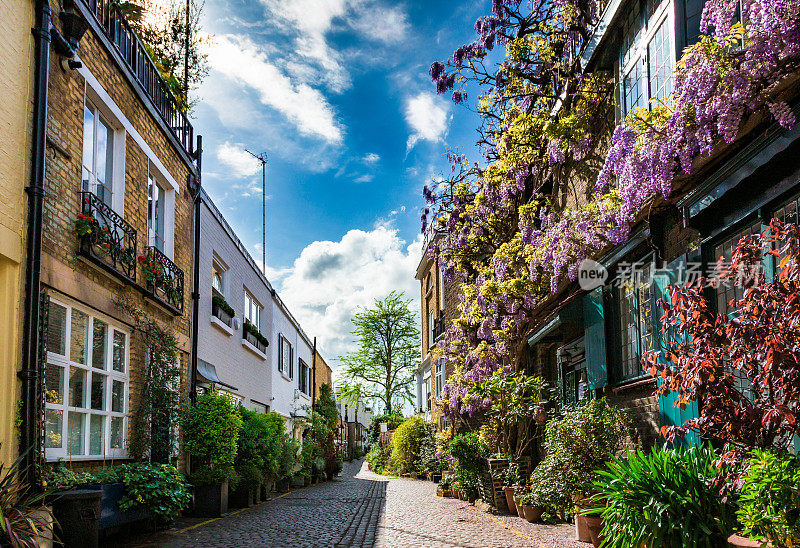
(222,310)
(221,326)
(163,280)
(106,239)
(254,337)
(252,348)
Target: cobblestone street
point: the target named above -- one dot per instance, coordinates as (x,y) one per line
(362,509)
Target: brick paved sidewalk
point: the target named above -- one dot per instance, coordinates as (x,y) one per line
(361,509)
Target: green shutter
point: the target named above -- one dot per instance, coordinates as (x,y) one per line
(595,339)
(669,414)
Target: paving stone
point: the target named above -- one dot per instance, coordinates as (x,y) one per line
(361,509)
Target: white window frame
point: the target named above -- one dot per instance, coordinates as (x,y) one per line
(431,320)
(58,360)
(218,267)
(636,53)
(252,305)
(102,110)
(439,372)
(285,353)
(168,197)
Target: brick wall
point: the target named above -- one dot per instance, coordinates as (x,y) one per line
(62,270)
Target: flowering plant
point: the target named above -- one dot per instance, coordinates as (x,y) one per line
(85,224)
(507,230)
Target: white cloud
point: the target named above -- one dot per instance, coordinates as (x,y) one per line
(427,115)
(238,159)
(371,159)
(366,178)
(384,24)
(241,60)
(330,280)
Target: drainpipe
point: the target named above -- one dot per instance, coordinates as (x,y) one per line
(314,374)
(198,200)
(29,374)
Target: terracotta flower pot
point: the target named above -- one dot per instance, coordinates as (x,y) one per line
(512,507)
(448,494)
(737,541)
(532,513)
(518,504)
(595,526)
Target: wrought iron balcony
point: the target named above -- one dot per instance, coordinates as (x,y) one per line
(115,26)
(438,326)
(163,279)
(106,238)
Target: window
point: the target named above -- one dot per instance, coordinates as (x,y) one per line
(285,357)
(727,291)
(217,277)
(86,385)
(258,407)
(431,320)
(634,304)
(156,214)
(235,398)
(304,377)
(440,368)
(426,389)
(647,57)
(98,154)
(252,310)
(572,369)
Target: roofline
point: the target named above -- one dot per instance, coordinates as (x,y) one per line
(212,208)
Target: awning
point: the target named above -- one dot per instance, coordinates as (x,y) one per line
(207,372)
(572,312)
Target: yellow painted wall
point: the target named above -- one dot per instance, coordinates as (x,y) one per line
(16,90)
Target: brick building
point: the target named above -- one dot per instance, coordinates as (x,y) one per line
(121,153)
(589,344)
(438,308)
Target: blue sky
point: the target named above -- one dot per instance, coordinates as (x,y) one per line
(336,92)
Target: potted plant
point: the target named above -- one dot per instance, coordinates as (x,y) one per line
(531,507)
(446,486)
(520,491)
(662,498)
(27,516)
(212,430)
(580,443)
(221,309)
(769,500)
(509,477)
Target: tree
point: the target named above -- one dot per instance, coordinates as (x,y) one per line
(744,365)
(382,368)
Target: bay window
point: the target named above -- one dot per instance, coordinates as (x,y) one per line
(86,385)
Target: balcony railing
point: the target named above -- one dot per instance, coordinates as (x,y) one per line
(133,52)
(163,279)
(106,238)
(438,326)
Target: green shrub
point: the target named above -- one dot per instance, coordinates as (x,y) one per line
(376,459)
(212,430)
(158,487)
(223,305)
(393,419)
(663,499)
(288,458)
(581,441)
(406,442)
(548,487)
(770,498)
(428,463)
(468,451)
(253,446)
(274,432)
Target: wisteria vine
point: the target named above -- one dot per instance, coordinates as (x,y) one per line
(515,229)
